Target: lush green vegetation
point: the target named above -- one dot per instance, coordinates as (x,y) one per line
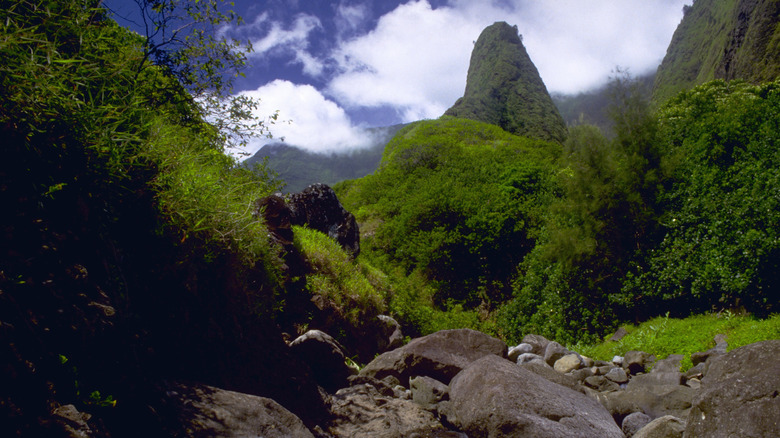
(662,336)
(676,213)
(456,203)
(504,88)
(721,39)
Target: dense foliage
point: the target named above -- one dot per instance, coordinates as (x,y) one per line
(456,202)
(121,214)
(721,39)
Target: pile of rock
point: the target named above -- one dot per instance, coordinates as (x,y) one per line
(463,383)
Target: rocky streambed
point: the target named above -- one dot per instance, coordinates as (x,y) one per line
(463,383)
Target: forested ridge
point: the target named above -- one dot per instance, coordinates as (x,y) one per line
(134,252)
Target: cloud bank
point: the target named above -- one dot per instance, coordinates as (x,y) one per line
(415,59)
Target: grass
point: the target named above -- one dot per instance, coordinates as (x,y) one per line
(663,336)
(351,285)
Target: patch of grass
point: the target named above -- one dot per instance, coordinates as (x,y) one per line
(352,286)
(663,336)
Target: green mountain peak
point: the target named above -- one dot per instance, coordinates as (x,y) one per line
(504,88)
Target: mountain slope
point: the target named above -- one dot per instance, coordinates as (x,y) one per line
(504,88)
(299,168)
(721,39)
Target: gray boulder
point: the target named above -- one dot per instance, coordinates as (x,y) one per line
(493,397)
(553,352)
(537,342)
(601,384)
(202,410)
(325,357)
(568,363)
(389,335)
(633,422)
(669,365)
(428,392)
(363,411)
(635,362)
(617,375)
(522,348)
(531,358)
(664,427)
(440,355)
(544,370)
(739,395)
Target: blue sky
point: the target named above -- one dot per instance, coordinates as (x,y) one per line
(332,68)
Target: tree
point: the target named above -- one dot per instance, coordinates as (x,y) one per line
(184,38)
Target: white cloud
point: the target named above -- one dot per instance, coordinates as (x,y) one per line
(350,18)
(294,39)
(306,119)
(417,57)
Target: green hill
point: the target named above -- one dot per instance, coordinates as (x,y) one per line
(721,39)
(504,88)
(299,168)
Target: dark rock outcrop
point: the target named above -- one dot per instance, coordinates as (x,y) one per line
(503,88)
(493,397)
(740,394)
(440,355)
(318,208)
(324,356)
(201,411)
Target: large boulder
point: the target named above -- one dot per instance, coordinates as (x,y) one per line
(440,355)
(493,397)
(662,427)
(201,411)
(363,410)
(318,208)
(325,357)
(739,395)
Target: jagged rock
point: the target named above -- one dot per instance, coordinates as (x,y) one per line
(390,335)
(664,427)
(604,370)
(428,392)
(362,411)
(669,365)
(652,400)
(619,334)
(493,397)
(67,421)
(278,221)
(537,342)
(531,358)
(601,384)
(635,362)
(633,422)
(696,371)
(440,355)
(318,208)
(582,374)
(516,351)
(553,352)
(325,356)
(739,395)
(201,410)
(654,380)
(617,360)
(568,363)
(719,349)
(544,370)
(617,375)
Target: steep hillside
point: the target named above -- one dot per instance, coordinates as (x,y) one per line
(592,107)
(503,88)
(721,39)
(299,168)
(455,204)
